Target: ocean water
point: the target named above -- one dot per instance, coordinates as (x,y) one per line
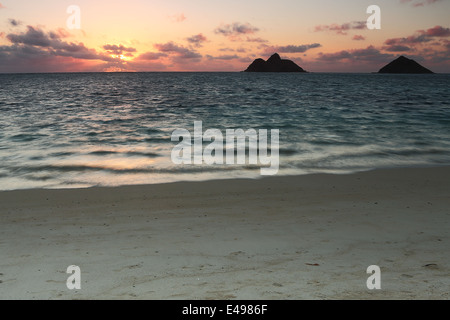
(109,129)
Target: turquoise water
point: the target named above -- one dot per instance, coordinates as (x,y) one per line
(80,130)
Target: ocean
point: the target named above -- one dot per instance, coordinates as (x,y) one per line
(109,129)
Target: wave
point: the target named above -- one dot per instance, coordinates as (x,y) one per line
(149,170)
(25,137)
(127,153)
(325,121)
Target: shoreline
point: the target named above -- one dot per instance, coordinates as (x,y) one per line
(219,179)
(283,237)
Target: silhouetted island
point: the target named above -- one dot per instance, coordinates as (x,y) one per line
(274,64)
(404,65)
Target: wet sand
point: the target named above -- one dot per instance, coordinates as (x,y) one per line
(299,237)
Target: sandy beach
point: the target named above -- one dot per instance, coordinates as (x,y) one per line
(299,237)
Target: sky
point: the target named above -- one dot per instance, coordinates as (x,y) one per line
(214,35)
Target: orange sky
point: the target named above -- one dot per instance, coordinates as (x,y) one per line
(206,35)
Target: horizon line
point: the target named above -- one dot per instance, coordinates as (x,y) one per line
(307,72)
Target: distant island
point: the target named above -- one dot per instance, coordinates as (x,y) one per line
(404,65)
(274,64)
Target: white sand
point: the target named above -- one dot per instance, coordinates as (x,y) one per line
(233,239)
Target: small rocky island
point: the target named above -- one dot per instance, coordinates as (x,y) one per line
(404,65)
(274,64)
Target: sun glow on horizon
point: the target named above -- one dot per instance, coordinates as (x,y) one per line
(216,36)
(121,57)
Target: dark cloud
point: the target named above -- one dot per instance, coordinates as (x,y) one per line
(358,37)
(51,43)
(32,37)
(437,31)
(151,56)
(245,60)
(420,3)
(59,34)
(22,52)
(342,28)
(79,51)
(421,37)
(290,48)
(369,54)
(447,44)
(235,30)
(179,51)
(226,50)
(197,40)
(429,46)
(14,22)
(259,40)
(39,50)
(38,38)
(38,59)
(223,57)
(397,48)
(411,40)
(297,49)
(118,49)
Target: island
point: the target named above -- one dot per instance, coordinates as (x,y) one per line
(274,64)
(404,65)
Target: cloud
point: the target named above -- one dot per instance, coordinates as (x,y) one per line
(223,57)
(342,29)
(34,49)
(144,66)
(118,50)
(151,56)
(418,39)
(38,50)
(235,30)
(369,54)
(37,37)
(291,48)
(59,34)
(447,44)
(178,17)
(358,37)
(411,40)
(397,48)
(197,40)
(259,40)
(14,22)
(297,49)
(245,60)
(430,46)
(420,3)
(33,37)
(37,59)
(437,31)
(177,50)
